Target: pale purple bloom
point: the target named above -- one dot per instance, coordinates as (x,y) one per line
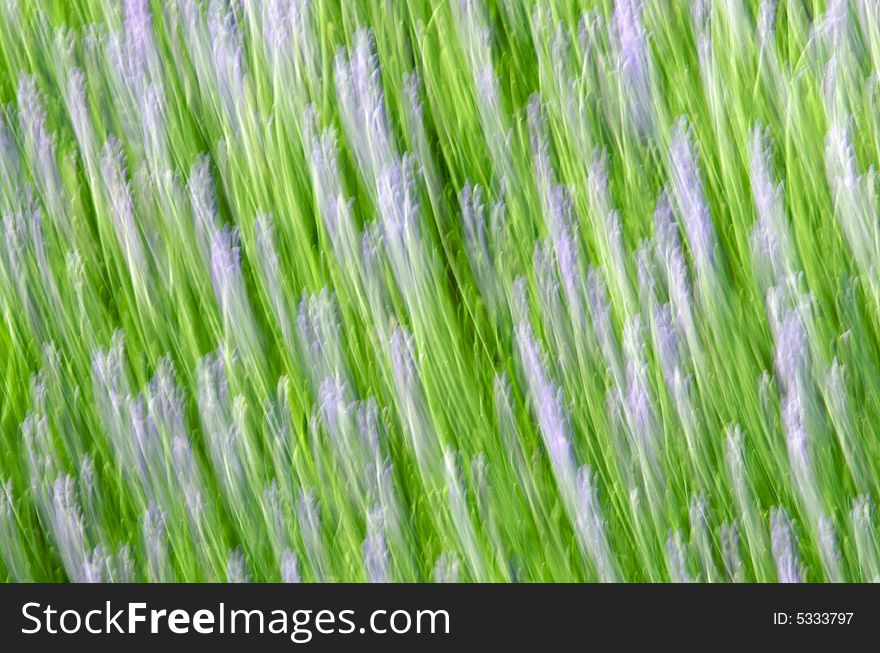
(122,210)
(640,415)
(767,193)
(701,11)
(222,419)
(677,559)
(203,204)
(554,314)
(112,394)
(862,523)
(591,30)
(16,241)
(375,549)
(412,403)
(99,566)
(10,167)
(836,394)
(133,53)
(46,280)
(309,519)
(540,147)
(370,428)
(134,56)
(461,519)
(792,362)
(87,486)
(577,488)
(666,342)
(509,429)
(165,401)
(558,211)
(557,58)
(186,470)
(766,21)
(446,568)
(831,28)
(837,403)
(839,157)
(335,208)
(767,254)
(372,273)
(395,521)
(705,48)
(290,567)
(413,100)
(39,147)
(548,404)
(79,114)
(590,525)
(336,408)
(236,568)
(568,259)
(42,457)
(618,260)
(634,61)
(797,441)
(483,242)
(784,543)
(670,258)
(597,182)
(700,541)
(519,300)
(829,551)
(362,106)
(215,43)
(158,563)
(226,45)
(67,528)
(690,199)
(602,326)
(489,104)
(152,126)
(855,200)
(473,217)
(95,567)
(638,403)
(791,340)
(289,34)
(730,553)
(319,335)
(273,512)
(409,258)
(213,385)
(475,37)
(666,236)
(195,506)
(26,266)
(742,492)
(226,270)
(353,434)
(122,567)
(145,439)
(772,242)
(232,295)
(413,110)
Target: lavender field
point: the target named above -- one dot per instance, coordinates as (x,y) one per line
(439,290)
